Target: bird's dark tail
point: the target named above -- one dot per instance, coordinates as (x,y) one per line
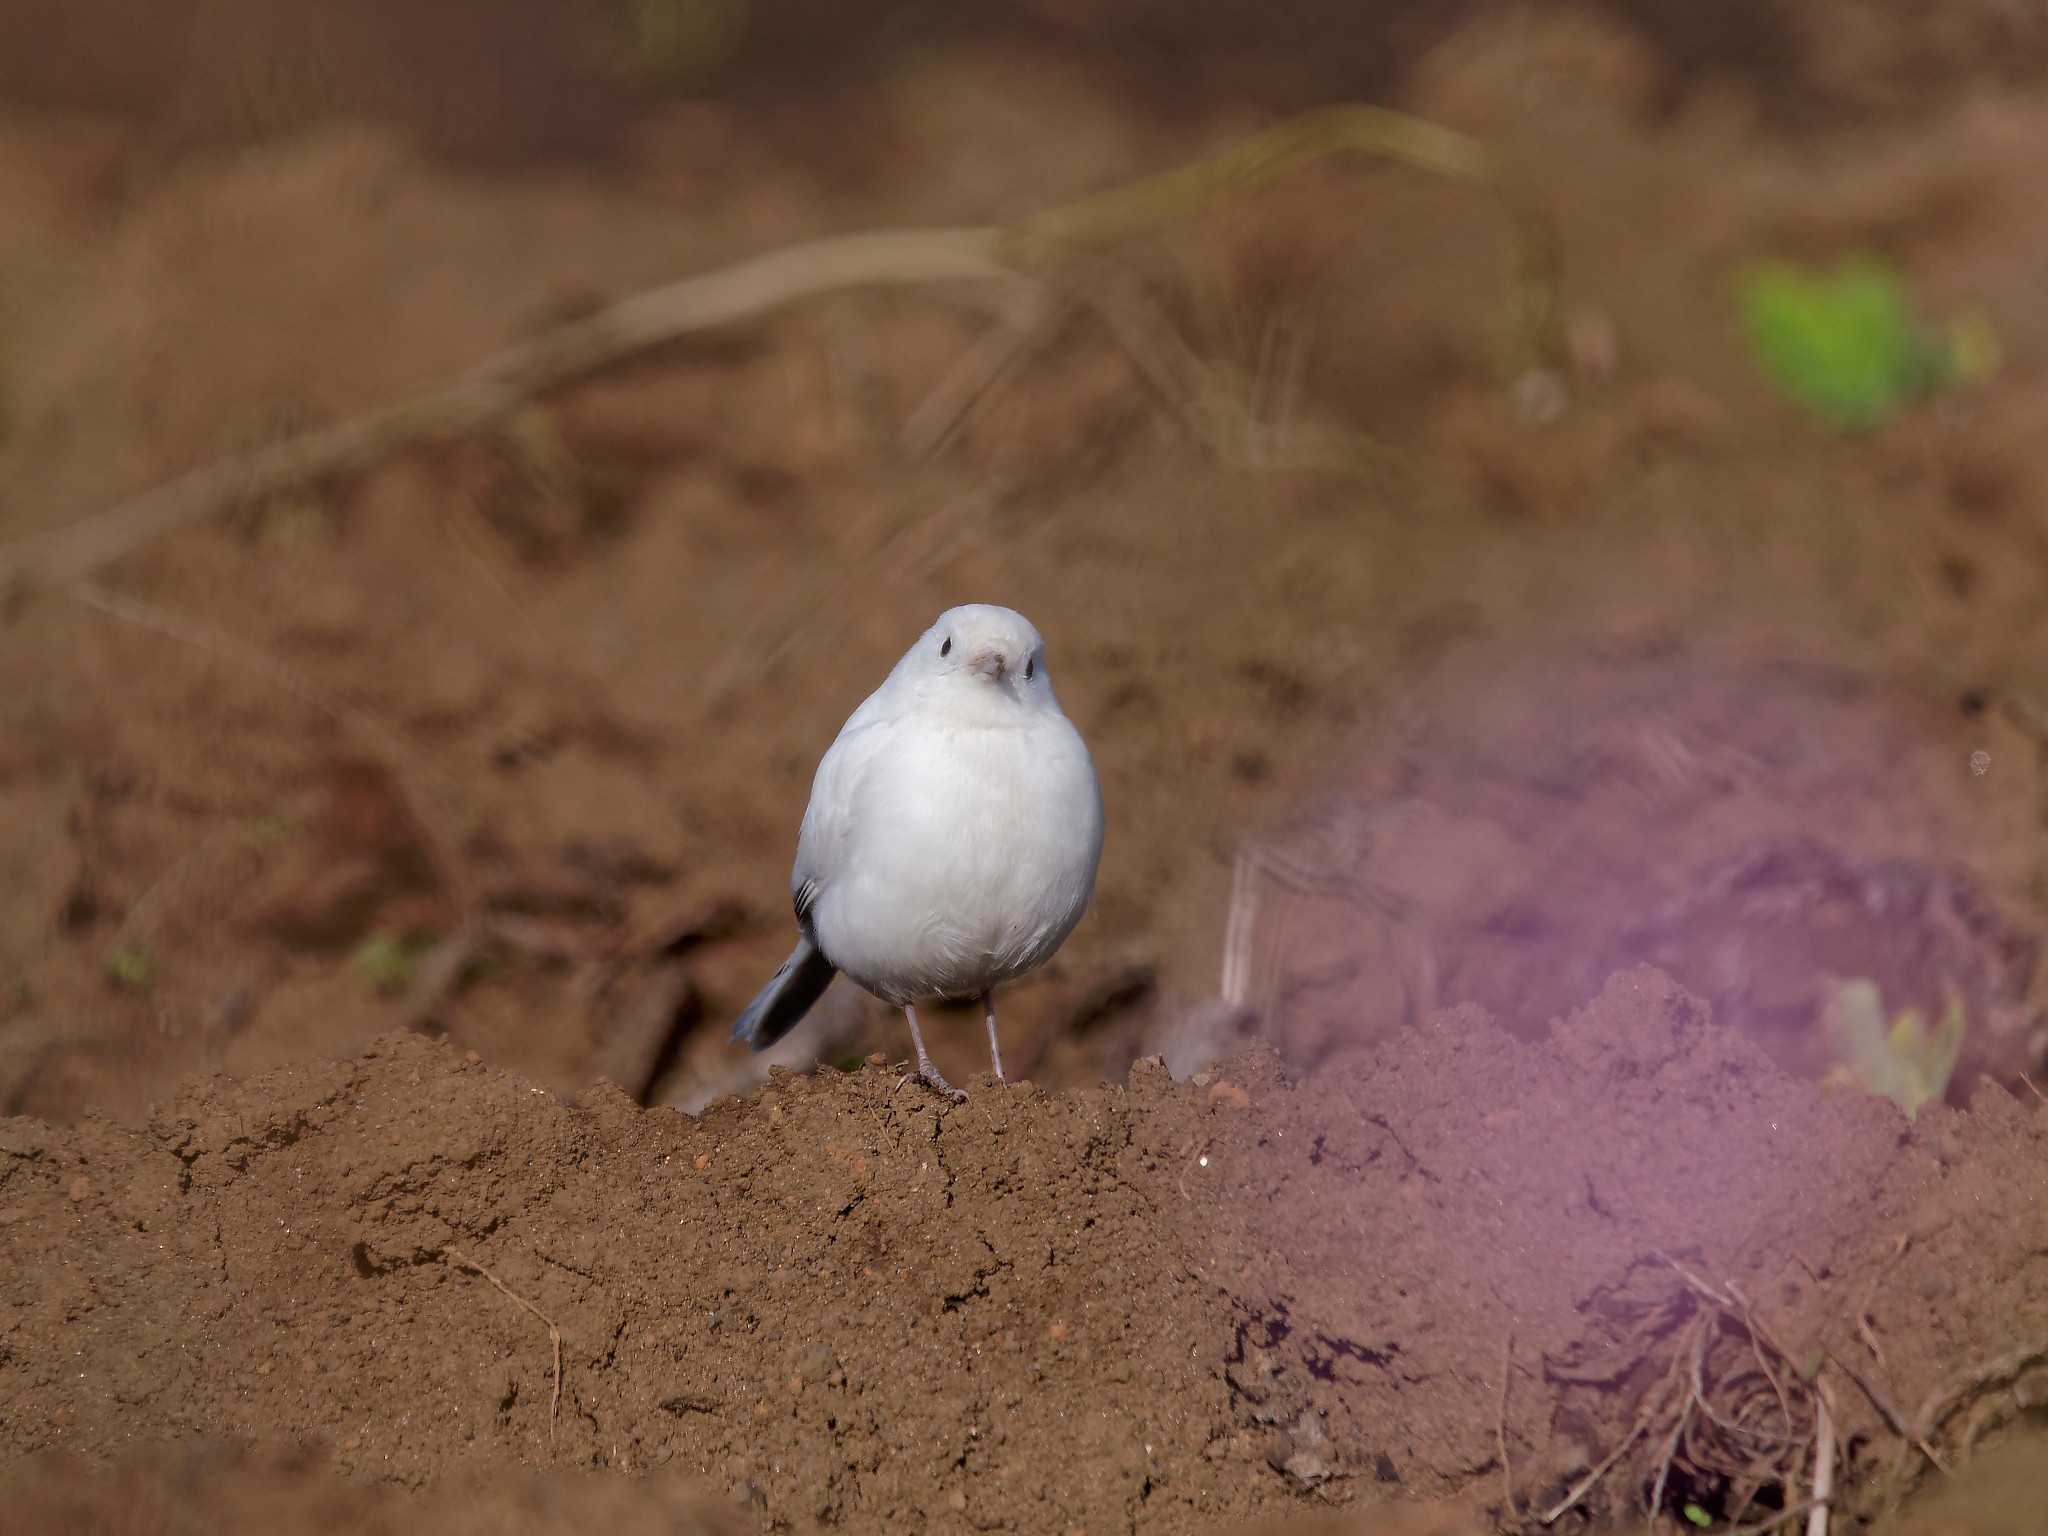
(778,1007)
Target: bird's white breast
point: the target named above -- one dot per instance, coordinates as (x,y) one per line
(970,855)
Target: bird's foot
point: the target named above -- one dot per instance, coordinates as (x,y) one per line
(929,1071)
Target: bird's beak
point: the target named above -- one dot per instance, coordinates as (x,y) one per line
(990,664)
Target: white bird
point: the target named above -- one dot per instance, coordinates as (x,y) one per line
(952,836)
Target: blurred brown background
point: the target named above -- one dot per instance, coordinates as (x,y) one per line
(508,735)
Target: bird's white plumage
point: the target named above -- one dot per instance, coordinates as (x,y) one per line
(955,825)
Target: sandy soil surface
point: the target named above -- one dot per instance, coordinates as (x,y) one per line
(1501,764)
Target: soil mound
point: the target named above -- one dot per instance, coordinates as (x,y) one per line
(1162,1305)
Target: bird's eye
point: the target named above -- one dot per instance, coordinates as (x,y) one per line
(947,648)
(1030,666)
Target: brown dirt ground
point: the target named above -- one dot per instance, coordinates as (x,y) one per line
(1520,701)
(1159,1306)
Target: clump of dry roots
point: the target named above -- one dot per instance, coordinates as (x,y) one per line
(1732,1424)
(1731,1419)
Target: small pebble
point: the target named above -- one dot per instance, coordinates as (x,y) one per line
(1224,1091)
(81,1189)
(956,1501)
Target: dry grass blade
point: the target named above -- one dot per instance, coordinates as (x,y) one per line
(554,1332)
(506,380)
(1255,162)
(1026,327)
(1960,1388)
(1706,1292)
(1664,1463)
(980,255)
(1286,147)
(1591,1480)
(1235,987)
(1658,1403)
(1886,1410)
(1500,1427)
(1823,1469)
(1165,362)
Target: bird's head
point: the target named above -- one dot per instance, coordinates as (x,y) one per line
(983,647)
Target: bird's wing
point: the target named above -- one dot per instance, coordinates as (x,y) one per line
(828,820)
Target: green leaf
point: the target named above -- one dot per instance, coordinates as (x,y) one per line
(1904,1061)
(388,960)
(131,968)
(1844,344)
(1697,1516)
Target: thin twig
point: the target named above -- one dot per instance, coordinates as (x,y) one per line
(1253,162)
(554,1332)
(1500,1425)
(1702,1337)
(1643,1421)
(1718,1298)
(1988,1411)
(1664,1463)
(1823,1467)
(1944,1399)
(1864,1327)
(1763,1363)
(507,379)
(1710,1440)
(1585,1484)
(1887,1411)
(1761,1336)
(1165,362)
(1235,987)
(756,286)
(1196,1150)
(2043,1097)
(1026,326)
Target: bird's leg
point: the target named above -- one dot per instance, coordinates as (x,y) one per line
(926,1067)
(995,1052)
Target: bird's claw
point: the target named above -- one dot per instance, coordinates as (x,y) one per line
(931,1074)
